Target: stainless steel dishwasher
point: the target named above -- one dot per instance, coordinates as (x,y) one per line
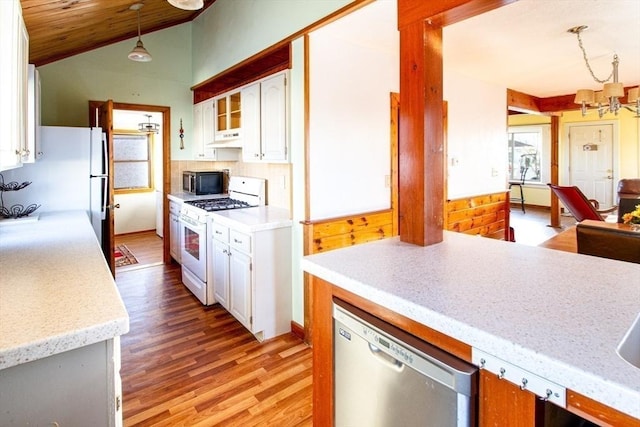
(384,376)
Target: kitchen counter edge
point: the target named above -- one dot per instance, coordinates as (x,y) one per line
(56,296)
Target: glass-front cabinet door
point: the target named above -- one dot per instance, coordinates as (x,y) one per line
(228,116)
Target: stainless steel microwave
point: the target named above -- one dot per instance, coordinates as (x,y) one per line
(203,182)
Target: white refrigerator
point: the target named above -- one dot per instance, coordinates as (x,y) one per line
(71,174)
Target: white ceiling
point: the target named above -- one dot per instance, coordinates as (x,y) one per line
(525,46)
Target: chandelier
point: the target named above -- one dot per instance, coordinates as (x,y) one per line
(148,127)
(607,99)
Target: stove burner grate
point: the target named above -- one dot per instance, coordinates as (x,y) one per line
(218,204)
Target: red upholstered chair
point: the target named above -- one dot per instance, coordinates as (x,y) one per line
(577,203)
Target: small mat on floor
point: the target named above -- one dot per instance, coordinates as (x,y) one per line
(124,256)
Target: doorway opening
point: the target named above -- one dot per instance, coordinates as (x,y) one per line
(139,215)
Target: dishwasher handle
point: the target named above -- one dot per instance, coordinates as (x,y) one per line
(386,359)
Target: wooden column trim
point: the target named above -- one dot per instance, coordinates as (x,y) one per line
(555,161)
(421,137)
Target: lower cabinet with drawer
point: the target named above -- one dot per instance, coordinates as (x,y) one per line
(251,276)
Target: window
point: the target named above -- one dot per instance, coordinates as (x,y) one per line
(528,153)
(132,162)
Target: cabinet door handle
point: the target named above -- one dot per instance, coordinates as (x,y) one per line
(237,241)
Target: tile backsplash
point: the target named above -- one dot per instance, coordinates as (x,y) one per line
(277,175)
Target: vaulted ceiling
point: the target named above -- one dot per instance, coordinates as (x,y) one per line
(62,28)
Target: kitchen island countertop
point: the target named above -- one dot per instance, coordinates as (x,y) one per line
(555,314)
(56,290)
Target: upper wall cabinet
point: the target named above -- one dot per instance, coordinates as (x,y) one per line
(265,118)
(204,147)
(14,43)
(228,118)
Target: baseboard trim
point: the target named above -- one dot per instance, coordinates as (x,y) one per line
(297,330)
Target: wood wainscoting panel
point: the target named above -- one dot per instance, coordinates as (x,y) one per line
(334,233)
(487,215)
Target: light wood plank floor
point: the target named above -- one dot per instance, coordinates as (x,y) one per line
(184,364)
(532,228)
(146,246)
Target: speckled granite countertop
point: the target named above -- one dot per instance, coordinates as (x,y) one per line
(56,290)
(250,220)
(556,314)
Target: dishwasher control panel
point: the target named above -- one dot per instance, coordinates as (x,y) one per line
(537,385)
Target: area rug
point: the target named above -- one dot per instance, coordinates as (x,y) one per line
(124,256)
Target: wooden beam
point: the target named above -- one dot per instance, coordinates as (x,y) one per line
(444,12)
(557,103)
(522,102)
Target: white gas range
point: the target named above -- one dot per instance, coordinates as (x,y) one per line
(244,192)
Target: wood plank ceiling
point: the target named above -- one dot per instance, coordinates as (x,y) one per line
(62,28)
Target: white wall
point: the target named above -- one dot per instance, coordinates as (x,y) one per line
(354,66)
(477,136)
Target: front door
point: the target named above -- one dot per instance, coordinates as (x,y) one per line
(591,161)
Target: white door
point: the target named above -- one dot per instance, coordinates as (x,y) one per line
(273,101)
(221,273)
(251,123)
(240,285)
(591,161)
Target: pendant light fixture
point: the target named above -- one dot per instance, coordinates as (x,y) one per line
(139,53)
(148,127)
(187,4)
(607,99)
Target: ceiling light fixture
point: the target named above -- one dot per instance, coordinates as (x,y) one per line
(608,99)
(187,4)
(148,127)
(139,53)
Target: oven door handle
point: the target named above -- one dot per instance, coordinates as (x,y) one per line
(192,224)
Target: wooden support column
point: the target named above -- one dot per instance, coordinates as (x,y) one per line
(555,161)
(421,159)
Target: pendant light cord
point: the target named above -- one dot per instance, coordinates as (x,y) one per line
(586,61)
(140,39)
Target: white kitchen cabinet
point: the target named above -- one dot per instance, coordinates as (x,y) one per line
(252,276)
(220,267)
(240,287)
(228,118)
(264,117)
(174,230)
(33,151)
(80,387)
(14,43)
(203,135)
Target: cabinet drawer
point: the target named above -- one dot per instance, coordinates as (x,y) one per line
(240,241)
(220,232)
(174,208)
